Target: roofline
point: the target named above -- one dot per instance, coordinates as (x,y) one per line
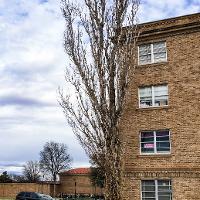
(74,174)
(169,27)
(170,19)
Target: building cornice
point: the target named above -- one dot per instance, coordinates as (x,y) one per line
(168,22)
(168,27)
(160,173)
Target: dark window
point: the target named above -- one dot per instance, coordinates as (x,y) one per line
(155,141)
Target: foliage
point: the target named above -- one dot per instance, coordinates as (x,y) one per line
(97,177)
(5,178)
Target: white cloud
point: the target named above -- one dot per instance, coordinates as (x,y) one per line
(151,10)
(32,67)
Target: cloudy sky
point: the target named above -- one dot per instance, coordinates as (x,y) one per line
(32,65)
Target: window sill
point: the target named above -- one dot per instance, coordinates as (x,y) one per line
(154,108)
(152,64)
(154,155)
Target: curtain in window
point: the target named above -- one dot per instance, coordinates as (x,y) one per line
(145,97)
(159,51)
(161,95)
(145,54)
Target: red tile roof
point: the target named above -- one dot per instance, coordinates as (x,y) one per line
(77,171)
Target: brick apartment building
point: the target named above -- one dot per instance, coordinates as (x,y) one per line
(161,120)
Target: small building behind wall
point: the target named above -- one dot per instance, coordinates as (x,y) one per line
(77,181)
(72,182)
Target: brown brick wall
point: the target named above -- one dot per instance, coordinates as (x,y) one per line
(83,185)
(66,186)
(12,189)
(182,116)
(182,188)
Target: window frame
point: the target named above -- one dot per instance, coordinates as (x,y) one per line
(156,187)
(153,96)
(155,143)
(152,53)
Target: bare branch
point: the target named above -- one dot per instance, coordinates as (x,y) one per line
(100,42)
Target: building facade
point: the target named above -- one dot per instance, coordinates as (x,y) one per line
(161,121)
(77,182)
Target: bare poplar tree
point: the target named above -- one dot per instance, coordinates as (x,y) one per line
(31,171)
(100,38)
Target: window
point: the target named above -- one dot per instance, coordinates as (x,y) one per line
(156,190)
(28,194)
(152,53)
(153,96)
(34,195)
(155,142)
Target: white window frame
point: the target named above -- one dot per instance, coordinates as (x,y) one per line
(153,96)
(156,186)
(152,53)
(155,143)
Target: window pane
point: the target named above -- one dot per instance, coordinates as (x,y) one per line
(162,141)
(145,92)
(145,49)
(164,183)
(147,142)
(164,190)
(164,197)
(158,57)
(145,102)
(147,136)
(162,133)
(159,46)
(28,194)
(145,97)
(148,190)
(161,95)
(148,182)
(145,54)
(34,195)
(148,194)
(163,147)
(145,59)
(147,148)
(160,90)
(159,50)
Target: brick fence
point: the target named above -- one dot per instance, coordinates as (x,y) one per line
(11,189)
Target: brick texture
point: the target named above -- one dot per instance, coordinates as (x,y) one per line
(71,182)
(80,183)
(182,116)
(10,190)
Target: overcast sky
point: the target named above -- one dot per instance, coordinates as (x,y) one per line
(32,65)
